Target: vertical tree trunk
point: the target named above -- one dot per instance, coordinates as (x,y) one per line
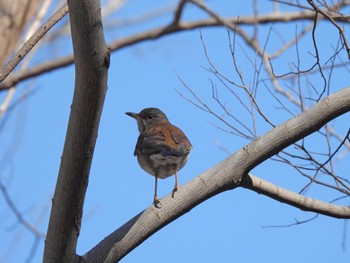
(91,67)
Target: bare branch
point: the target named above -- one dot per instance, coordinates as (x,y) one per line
(18,214)
(331,19)
(227,175)
(160,32)
(296,223)
(14,17)
(35,71)
(34,26)
(178,13)
(317,56)
(23,51)
(285,196)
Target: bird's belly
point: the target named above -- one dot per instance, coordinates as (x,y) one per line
(160,166)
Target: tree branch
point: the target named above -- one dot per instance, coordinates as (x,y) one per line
(285,196)
(35,71)
(178,12)
(18,214)
(27,46)
(157,33)
(330,18)
(14,16)
(89,94)
(224,176)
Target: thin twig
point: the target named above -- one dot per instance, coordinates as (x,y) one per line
(331,19)
(18,214)
(296,223)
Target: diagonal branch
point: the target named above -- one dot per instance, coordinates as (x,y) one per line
(285,196)
(27,46)
(226,175)
(178,12)
(18,214)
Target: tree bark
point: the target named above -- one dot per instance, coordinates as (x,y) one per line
(91,58)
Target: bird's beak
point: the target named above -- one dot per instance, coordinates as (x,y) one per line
(133,115)
(140,124)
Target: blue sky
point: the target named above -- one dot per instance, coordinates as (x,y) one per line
(229,227)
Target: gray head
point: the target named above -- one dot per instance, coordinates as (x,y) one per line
(148,117)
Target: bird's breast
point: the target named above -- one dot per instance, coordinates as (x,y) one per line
(160,165)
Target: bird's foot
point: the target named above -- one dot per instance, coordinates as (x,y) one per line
(174,191)
(157,203)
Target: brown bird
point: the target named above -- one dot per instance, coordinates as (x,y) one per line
(161,149)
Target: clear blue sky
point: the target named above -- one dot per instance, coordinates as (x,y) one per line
(226,228)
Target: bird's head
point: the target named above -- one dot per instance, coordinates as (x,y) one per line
(148,117)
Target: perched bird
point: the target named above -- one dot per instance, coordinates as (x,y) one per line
(161,149)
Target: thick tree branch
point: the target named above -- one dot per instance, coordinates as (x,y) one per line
(224,176)
(89,94)
(285,196)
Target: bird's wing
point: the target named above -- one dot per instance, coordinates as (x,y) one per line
(164,138)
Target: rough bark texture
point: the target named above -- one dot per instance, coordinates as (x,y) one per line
(226,175)
(91,66)
(14,16)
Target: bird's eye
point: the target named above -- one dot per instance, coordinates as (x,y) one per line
(149,117)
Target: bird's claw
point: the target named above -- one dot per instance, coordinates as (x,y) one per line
(157,203)
(174,191)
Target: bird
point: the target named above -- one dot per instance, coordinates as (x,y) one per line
(162,149)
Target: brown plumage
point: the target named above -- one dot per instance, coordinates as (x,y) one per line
(161,149)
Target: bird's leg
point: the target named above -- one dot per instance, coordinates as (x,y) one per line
(156,201)
(176,184)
